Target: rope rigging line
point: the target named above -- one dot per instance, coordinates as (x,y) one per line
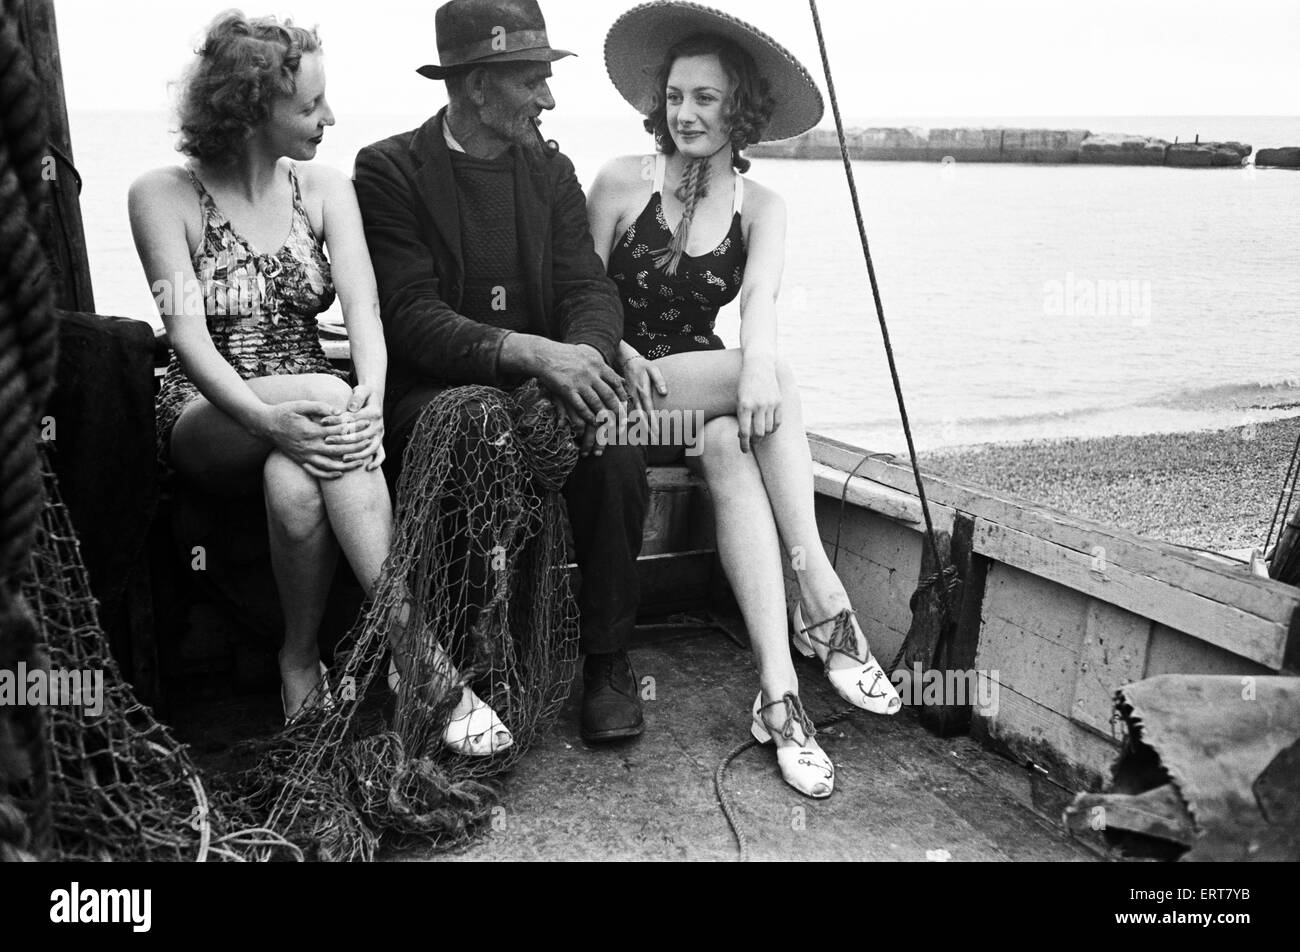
(875,294)
(944,578)
(1288,483)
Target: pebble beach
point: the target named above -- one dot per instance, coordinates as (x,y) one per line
(1212,489)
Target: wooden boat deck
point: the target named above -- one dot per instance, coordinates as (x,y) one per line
(901,792)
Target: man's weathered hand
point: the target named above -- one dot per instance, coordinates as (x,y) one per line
(578,375)
(584,434)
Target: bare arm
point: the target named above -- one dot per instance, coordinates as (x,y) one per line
(156,203)
(619,182)
(354,278)
(758,397)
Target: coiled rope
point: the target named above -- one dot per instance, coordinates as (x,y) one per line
(28,339)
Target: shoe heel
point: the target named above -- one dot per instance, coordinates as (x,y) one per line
(756,725)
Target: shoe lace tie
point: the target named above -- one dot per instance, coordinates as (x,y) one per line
(794,714)
(843,638)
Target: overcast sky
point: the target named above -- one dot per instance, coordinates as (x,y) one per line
(910,59)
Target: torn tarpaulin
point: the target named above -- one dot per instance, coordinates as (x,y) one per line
(1228,746)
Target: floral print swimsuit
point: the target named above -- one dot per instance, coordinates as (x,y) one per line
(261,308)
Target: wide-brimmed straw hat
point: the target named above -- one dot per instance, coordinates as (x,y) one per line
(470,32)
(640,39)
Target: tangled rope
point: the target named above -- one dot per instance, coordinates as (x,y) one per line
(27,359)
(474,592)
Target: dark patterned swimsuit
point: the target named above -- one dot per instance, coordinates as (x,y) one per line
(665,315)
(261,308)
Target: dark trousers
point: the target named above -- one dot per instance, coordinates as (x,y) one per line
(607,498)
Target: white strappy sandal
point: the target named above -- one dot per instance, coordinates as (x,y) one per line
(865,686)
(479,733)
(804,765)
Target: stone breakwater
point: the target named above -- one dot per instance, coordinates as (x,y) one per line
(1286,158)
(1057,146)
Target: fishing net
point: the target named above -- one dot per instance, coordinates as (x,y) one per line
(476,592)
(120,787)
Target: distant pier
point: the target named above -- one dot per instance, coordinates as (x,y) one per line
(1045,146)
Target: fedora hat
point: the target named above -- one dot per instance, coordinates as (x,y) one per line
(640,39)
(471,32)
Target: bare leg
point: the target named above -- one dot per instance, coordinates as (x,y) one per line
(303,558)
(707,381)
(750,552)
(305,515)
(361,515)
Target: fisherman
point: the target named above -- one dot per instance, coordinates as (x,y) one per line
(487,276)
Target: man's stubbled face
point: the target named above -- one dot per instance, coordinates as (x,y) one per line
(516,95)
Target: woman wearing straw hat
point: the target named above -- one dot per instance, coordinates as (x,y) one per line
(682,234)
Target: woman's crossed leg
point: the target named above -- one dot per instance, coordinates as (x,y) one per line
(309,518)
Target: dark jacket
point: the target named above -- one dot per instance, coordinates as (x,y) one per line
(412,221)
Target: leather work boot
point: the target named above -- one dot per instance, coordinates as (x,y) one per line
(611,702)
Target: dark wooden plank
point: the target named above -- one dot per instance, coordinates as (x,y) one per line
(675,582)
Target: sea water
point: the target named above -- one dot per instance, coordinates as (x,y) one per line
(1021,300)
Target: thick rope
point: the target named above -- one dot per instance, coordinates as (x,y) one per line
(724,796)
(24,279)
(27,335)
(28,338)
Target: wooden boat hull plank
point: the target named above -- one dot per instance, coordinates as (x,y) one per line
(879,562)
(1113,653)
(1192,571)
(1031,640)
(880,499)
(1261,639)
(1175,652)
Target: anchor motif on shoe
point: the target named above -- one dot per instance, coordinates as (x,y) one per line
(850,683)
(805,766)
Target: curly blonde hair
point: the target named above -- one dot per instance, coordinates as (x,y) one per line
(242,68)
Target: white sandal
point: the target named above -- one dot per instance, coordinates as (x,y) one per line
(805,765)
(479,733)
(866,686)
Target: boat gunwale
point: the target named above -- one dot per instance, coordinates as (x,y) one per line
(1263,614)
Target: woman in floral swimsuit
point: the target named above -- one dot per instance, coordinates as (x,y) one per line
(233,245)
(683,234)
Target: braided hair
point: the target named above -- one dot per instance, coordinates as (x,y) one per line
(748,111)
(692,190)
